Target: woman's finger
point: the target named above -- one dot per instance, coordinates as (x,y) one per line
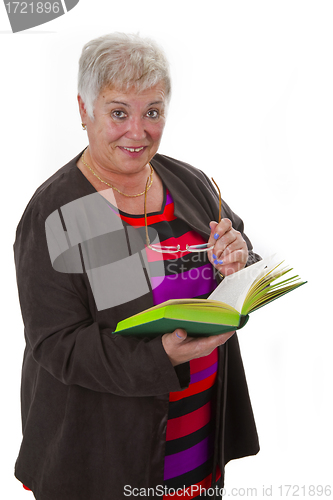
(239,255)
(237,244)
(180,351)
(218,230)
(224,241)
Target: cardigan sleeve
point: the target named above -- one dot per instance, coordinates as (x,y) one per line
(64,339)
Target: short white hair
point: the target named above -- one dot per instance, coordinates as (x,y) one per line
(120,61)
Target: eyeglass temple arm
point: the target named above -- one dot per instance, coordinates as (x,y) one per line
(220,200)
(145,208)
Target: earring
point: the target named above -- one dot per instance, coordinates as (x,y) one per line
(84,126)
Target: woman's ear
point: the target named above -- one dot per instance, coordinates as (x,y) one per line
(82,109)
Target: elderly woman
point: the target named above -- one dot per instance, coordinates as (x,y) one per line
(110,416)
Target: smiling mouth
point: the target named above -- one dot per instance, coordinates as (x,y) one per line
(134,150)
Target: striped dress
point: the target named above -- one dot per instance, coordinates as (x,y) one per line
(190,425)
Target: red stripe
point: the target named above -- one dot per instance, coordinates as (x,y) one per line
(26,487)
(195,388)
(199,364)
(183,426)
(167,215)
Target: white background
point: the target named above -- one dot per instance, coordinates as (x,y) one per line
(252,105)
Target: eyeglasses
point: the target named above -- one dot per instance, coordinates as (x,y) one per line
(176,248)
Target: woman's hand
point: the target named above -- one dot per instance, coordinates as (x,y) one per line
(230,251)
(181,348)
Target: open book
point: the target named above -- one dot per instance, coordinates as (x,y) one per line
(225,310)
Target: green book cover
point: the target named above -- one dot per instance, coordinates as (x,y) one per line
(225,310)
(202,319)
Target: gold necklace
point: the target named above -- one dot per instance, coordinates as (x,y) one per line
(116,189)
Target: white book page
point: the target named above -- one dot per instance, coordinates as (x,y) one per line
(234,288)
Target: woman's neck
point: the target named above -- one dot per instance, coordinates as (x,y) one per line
(128,185)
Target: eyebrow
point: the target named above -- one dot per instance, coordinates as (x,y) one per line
(128,105)
(117,102)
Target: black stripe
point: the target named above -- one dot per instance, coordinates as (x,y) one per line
(166,229)
(146,273)
(81,257)
(192,477)
(203,296)
(171,229)
(183,443)
(127,241)
(62,219)
(177,266)
(185,263)
(192,403)
(179,227)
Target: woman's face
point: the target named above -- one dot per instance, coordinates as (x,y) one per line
(127,128)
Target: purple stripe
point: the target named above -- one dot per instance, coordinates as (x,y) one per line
(168,199)
(192,283)
(207,372)
(187,460)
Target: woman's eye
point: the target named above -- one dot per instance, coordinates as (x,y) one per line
(153,113)
(117,113)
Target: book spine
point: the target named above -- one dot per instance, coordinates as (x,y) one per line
(243,320)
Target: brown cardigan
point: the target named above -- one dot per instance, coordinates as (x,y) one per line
(94,404)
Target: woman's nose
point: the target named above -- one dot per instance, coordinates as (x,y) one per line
(136,129)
